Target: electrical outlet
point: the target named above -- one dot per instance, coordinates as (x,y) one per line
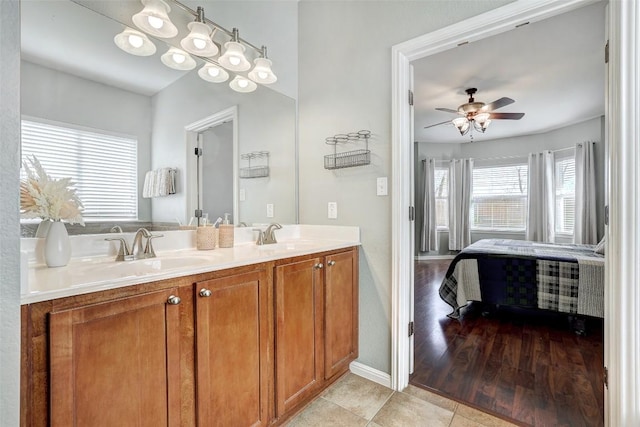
(242,195)
(381,186)
(332,210)
(269,210)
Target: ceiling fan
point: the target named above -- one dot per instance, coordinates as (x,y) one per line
(478,114)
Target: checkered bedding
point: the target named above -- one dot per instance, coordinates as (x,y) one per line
(560,277)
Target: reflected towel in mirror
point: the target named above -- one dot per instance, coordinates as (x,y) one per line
(159,182)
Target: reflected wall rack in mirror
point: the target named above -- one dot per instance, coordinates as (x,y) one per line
(348,159)
(260,166)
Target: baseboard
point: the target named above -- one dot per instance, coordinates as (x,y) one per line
(433,257)
(370,373)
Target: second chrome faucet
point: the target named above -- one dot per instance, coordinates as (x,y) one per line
(138,250)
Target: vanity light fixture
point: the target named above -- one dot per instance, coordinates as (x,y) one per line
(261,72)
(233,58)
(154,19)
(212,73)
(134,42)
(242,84)
(199,41)
(178,59)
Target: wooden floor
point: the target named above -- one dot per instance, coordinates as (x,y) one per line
(529,368)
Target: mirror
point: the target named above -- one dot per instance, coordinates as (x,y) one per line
(72,72)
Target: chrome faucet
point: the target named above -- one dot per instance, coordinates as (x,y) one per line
(267,236)
(137,251)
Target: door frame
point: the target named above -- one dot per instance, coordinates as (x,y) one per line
(623,129)
(191,132)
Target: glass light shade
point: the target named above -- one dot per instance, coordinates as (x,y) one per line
(178,60)
(212,73)
(481,117)
(481,127)
(154,19)
(233,58)
(242,84)
(134,42)
(262,73)
(199,42)
(462,124)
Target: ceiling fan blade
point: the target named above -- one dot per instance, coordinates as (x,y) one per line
(437,124)
(447,110)
(506,116)
(498,103)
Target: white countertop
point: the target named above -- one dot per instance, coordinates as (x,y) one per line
(87,273)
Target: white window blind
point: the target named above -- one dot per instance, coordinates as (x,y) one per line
(102,166)
(565,176)
(499,197)
(442,196)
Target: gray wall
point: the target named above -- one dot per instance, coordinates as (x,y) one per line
(590,130)
(54,95)
(10,235)
(344,86)
(266,121)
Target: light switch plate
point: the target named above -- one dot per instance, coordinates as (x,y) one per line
(332,210)
(381,186)
(269,210)
(242,195)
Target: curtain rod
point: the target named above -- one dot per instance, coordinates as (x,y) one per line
(514,157)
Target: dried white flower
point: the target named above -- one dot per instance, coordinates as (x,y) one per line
(44,197)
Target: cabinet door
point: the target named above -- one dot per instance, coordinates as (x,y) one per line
(233,351)
(117,363)
(299,347)
(341,312)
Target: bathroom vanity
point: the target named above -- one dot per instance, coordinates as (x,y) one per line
(243,336)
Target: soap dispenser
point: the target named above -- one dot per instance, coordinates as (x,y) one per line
(225,233)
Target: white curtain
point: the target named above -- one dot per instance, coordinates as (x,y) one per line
(429,237)
(541,201)
(585,229)
(460,182)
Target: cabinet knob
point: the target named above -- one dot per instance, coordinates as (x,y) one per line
(173,300)
(318,265)
(331,263)
(205,293)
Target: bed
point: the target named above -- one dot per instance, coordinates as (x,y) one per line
(564,278)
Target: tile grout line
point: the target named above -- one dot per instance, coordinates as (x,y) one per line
(382,406)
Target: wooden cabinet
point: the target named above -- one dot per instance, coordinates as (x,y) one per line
(340,312)
(299,352)
(117,361)
(233,350)
(246,346)
(316,335)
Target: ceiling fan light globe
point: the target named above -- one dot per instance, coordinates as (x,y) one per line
(481,117)
(462,124)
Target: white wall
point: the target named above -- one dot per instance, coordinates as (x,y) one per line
(58,96)
(10,234)
(266,121)
(590,130)
(344,86)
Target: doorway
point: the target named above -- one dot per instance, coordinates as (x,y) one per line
(482,26)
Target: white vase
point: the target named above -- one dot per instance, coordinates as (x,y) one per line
(43,228)
(57,247)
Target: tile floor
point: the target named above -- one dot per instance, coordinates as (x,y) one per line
(355,401)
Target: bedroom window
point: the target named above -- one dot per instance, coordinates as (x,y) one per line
(103,166)
(565,182)
(499,198)
(442,197)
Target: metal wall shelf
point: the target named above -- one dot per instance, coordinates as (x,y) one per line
(261,170)
(351,158)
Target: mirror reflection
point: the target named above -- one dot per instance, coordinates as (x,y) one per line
(74,75)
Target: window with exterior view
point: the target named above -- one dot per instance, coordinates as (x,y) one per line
(103,166)
(565,182)
(442,196)
(499,198)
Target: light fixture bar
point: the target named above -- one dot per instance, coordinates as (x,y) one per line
(213,24)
